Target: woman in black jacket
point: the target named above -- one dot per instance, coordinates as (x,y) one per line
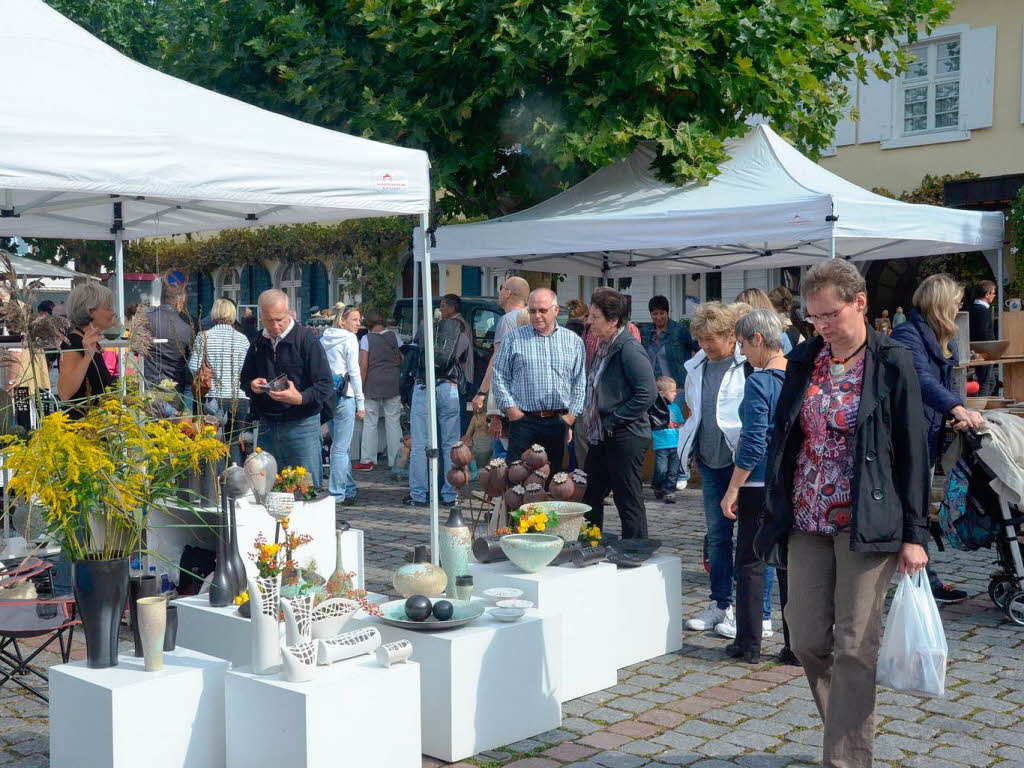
(620,389)
(847,488)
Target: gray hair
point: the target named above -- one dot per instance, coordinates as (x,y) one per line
(838,274)
(272,297)
(763,321)
(85,299)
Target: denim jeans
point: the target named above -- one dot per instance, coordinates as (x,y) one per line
(769,582)
(234,416)
(448,418)
(666,469)
(342,484)
(714,483)
(295,444)
(499,451)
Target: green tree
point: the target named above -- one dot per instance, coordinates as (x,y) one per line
(514,99)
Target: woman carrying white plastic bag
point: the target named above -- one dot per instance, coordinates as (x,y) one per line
(913,653)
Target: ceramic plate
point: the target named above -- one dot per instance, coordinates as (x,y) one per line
(465,612)
(519,605)
(494,594)
(507,615)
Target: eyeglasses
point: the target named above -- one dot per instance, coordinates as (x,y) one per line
(825,318)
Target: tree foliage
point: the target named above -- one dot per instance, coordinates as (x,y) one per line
(514,99)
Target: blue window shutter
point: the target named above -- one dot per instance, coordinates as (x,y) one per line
(260,281)
(472,279)
(319,287)
(245,293)
(204,293)
(307,287)
(192,295)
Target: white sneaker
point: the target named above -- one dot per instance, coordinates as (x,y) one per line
(766,628)
(680,485)
(708,618)
(727,629)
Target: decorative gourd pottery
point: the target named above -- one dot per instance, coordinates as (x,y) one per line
(152,626)
(348,645)
(570,517)
(535,493)
(420,577)
(236,481)
(261,469)
(461,455)
(265,650)
(561,487)
(514,497)
(457,477)
(497,478)
(517,473)
(454,546)
(331,616)
(298,619)
(298,662)
(397,652)
(531,552)
(535,457)
(579,481)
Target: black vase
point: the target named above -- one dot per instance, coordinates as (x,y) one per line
(222,583)
(101,589)
(234,557)
(171,628)
(208,485)
(140,586)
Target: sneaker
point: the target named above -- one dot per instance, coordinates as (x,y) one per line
(680,485)
(766,629)
(708,618)
(409,501)
(727,627)
(363,466)
(945,594)
(670,498)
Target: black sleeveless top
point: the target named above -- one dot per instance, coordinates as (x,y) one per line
(97,377)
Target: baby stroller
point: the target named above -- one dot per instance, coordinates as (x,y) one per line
(982,507)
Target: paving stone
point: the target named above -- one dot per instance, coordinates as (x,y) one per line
(679,741)
(677,757)
(767,727)
(643,748)
(568,752)
(607,715)
(579,725)
(625,689)
(694,706)
(702,729)
(762,761)
(533,762)
(984,702)
(526,745)
(965,756)
(714,764)
(650,681)
(634,729)
(632,704)
(494,755)
(663,717)
(656,696)
(578,707)
(619,760)
(556,736)
(604,740)
(944,707)
(949,724)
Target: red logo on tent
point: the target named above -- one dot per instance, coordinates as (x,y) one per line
(390,181)
(797,221)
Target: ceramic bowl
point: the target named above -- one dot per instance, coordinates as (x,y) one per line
(494,594)
(531,552)
(507,615)
(570,517)
(519,605)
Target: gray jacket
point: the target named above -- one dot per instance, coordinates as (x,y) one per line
(170,360)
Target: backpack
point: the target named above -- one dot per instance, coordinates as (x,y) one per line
(963,513)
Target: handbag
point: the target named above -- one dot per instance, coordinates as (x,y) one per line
(658,414)
(203,381)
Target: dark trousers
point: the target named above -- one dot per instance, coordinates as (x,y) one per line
(614,464)
(750,574)
(550,433)
(987,380)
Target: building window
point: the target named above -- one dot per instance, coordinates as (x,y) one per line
(931,87)
(291,284)
(231,288)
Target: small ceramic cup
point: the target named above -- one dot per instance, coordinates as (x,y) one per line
(397,652)
(463,587)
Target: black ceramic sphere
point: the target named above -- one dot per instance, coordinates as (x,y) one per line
(417,608)
(443,610)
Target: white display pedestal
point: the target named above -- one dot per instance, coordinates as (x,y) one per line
(582,596)
(484,685)
(353,713)
(125,716)
(219,632)
(648,614)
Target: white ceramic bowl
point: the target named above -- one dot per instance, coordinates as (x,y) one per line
(494,594)
(517,605)
(507,614)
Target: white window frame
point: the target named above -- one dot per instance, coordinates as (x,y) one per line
(231,290)
(292,286)
(931,81)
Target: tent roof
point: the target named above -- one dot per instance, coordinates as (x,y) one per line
(769,207)
(83,127)
(24,266)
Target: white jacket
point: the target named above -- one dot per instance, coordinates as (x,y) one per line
(730,395)
(342,348)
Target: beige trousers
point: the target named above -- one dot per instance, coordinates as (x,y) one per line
(834,612)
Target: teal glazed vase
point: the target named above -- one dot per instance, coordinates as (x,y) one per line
(455,544)
(420,577)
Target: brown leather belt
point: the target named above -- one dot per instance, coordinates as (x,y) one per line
(547,414)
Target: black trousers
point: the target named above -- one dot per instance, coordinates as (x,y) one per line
(750,574)
(987,380)
(550,433)
(614,464)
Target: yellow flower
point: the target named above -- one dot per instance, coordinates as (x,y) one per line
(242,597)
(593,543)
(541,526)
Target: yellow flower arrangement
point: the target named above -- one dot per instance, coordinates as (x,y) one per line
(295,480)
(590,534)
(526,521)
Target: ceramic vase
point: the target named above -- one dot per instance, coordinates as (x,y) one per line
(330,617)
(101,588)
(171,632)
(265,640)
(261,469)
(298,662)
(138,587)
(338,584)
(397,652)
(152,628)
(298,619)
(348,645)
(420,577)
(279,504)
(454,546)
(208,486)
(236,564)
(531,552)
(222,581)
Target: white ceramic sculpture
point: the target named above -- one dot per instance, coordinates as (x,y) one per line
(298,616)
(265,596)
(397,652)
(152,613)
(345,646)
(261,469)
(298,662)
(331,616)
(279,504)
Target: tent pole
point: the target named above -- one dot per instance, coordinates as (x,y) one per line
(428,357)
(415,296)
(119,266)
(998,253)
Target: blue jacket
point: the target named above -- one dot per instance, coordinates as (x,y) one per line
(757,414)
(680,348)
(669,437)
(939,391)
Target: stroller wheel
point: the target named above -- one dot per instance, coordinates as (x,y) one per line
(1000,588)
(1015,608)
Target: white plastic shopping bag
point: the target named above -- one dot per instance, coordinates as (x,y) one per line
(913,653)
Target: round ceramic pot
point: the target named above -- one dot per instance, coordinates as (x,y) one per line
(531,552)
(570,517)
(420,577)
(280,504)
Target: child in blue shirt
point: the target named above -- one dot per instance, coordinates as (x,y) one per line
(666,442)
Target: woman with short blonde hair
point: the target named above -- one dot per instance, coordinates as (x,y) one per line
(223,311)
(712,319)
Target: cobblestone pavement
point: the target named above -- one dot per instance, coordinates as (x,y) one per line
(695,707)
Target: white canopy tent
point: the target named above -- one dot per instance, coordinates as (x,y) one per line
(769,207)
(94,145)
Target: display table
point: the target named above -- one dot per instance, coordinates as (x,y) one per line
(581,596)
(484,685)
(125,716)
(220,632)
(353,713)
(648,612)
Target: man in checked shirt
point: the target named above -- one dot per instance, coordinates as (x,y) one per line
(539,380)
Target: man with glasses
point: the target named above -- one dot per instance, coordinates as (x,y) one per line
(982,329)
(539,380)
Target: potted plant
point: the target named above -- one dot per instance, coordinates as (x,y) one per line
(296,481)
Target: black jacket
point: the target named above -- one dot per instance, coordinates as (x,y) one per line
(890,488)
(626,389)
(981,323)
(301,358)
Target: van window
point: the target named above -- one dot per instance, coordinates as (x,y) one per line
(485,321)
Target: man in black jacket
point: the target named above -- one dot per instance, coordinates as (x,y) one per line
(169,361)
(288,412)
(982,330)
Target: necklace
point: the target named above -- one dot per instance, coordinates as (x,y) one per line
(838,367)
